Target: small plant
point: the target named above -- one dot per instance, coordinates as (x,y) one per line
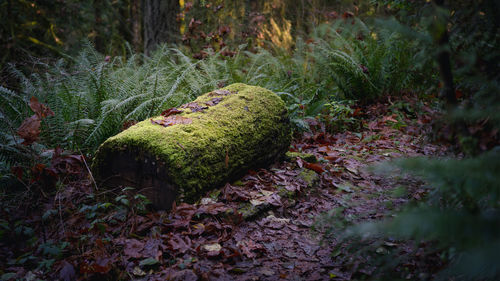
(340,116)
(136,203)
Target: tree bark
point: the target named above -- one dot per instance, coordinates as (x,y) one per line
(202,145)
(444,63)
(135,12)
(159,22)
(98,26)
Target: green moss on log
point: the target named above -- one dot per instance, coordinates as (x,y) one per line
(231,130)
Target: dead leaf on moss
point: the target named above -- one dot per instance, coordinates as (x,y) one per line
(171,111)
(172,120)
(220,93)
(213,101)
(194,106)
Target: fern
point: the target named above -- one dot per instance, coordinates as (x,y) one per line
(93,96)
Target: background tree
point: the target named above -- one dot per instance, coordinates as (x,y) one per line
(159,22)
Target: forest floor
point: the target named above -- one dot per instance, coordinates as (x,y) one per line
(267,226)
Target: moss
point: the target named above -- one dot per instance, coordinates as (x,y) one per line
(305,156)
(238,183)
(309,176)
(238,127)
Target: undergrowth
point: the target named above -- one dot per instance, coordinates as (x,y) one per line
(94,96)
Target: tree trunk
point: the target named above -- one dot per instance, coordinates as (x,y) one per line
(135,13)
(160,26)
(201,145)
(98,26)
(444,63)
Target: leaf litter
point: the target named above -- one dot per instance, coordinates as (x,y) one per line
(215,239)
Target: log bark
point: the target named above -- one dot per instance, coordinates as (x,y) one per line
(198,146)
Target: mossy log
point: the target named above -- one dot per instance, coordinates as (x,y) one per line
(198,146)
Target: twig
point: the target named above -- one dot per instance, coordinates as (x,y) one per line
(88,169)
(180,146)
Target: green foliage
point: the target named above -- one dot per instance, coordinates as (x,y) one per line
(95,96)
(13,108)
(365,62)
(461,213)
(47,28)
(340,116)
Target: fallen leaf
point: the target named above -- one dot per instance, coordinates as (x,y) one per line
(170,111)
(352,170)
(102,265)
(179,244)
(212,209)
(212,247)
(314,166)
(65,164)
(267,272)
(257,202)
(193,24)
(184,275)
(347,15)
(390,118)
(231,193)
(133,248)
(346,186)
(137,271)
(194,106)
(250,248)
(300,162)
(207,201)
(127,124)
(266,192)
(67,272)
(172,120)
(213,101)
(30,129)
(152,248)
(275,219)
(220,93)
(40,110)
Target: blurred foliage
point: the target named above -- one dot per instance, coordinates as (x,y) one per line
(460,215)
(340,116)
(49,28)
